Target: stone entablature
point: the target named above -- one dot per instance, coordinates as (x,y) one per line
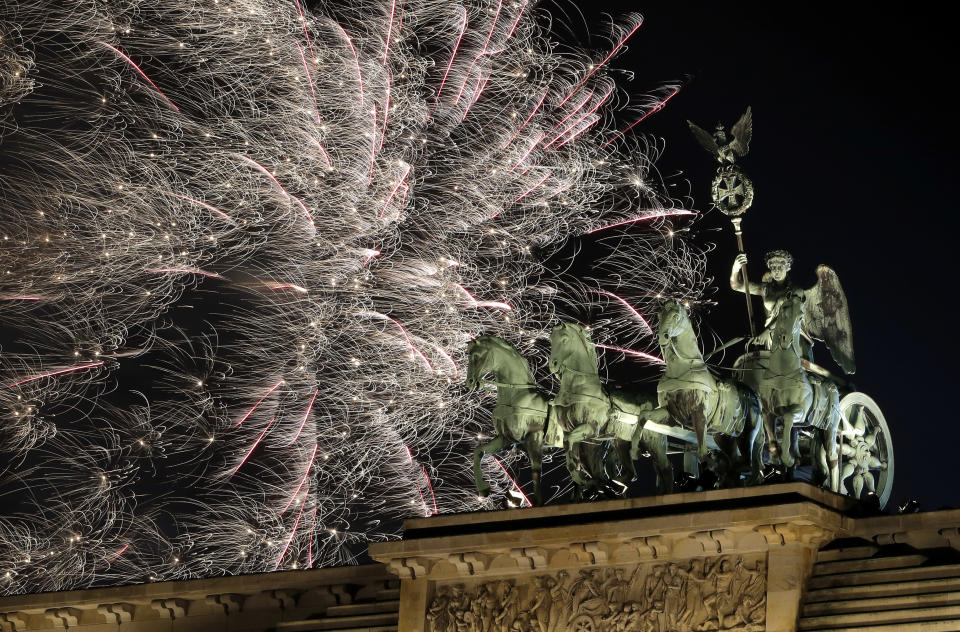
(245,602)
(699,539)
(737,559)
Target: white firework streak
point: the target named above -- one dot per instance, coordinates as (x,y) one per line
(243,245)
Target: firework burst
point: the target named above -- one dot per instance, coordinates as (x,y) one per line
(244,245)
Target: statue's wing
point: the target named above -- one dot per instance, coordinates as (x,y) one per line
(827,317)
(742,133)
(705,138)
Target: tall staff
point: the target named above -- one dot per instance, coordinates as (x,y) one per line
(732,190)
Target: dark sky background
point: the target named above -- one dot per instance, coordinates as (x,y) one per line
(854,162)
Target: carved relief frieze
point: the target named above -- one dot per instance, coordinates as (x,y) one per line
(695,595)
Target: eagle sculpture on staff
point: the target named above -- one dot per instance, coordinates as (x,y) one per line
(725,150)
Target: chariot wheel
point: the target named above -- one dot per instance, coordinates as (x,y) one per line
(866,448)
(583,623)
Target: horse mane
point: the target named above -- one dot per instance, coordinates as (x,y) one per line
(588,347)
(505,346)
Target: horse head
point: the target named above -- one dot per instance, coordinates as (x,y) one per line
(570,346)
(479,361)
(673,319)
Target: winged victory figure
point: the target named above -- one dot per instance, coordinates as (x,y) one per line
(826,312)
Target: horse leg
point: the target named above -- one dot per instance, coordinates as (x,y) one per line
(699,419)
(656,443)
(754,443)
(828,436)
(628,471)
(483,488)
(534,449)
(574,462)
(728,472)
(792,415)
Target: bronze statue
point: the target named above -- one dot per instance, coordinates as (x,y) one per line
(826,314)
(520,415)
(693,396)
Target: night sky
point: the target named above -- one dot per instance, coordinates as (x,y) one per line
(853,159)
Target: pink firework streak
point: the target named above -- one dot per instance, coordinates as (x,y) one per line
(527,120)
(252,448)
(323,151)
(400,183)
(483,51)
(260,401)
(406,337)
(601,64)
(213,209)
(525,193)
(142,74)
(571,114)
(304,479)
(290,539)
(630,308)
(423,501)
(306,68)
(386,109)
(453,55)
(430,487)
(356,59)
(631,352)
(655,109)
(513,27)
(303,423)
(288,286)
(529,504)
(474,302)
(643,218)
(53,373)
(386,49)
(303,21)
(292,198)
(446,356)
(528,152)
(369,255)
(119,553)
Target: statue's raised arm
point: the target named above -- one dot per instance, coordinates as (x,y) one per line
(827,317)
(736,279)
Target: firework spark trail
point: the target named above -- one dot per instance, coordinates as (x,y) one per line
(140,71)
(158,272)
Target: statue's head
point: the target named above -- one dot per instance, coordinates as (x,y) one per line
(778,263)
(720,134)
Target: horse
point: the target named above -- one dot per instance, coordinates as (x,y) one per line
(522,411)
(792,395)
(588,413)
(693,396)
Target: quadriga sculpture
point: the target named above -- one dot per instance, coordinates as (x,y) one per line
(692,396)
(589,414)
